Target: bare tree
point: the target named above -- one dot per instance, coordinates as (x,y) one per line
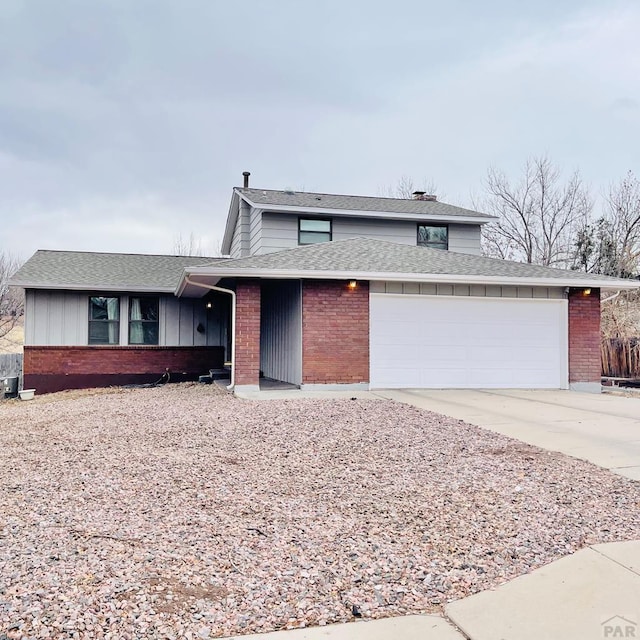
(190,246)
(11,299)
(538,217)
(405,187)
(624,212)
(611,244)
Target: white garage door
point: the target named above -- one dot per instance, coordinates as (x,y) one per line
(450,342)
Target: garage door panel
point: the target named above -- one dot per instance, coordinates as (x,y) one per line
(448,342)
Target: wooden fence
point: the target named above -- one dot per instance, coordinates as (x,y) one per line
(10,364)
(621,357)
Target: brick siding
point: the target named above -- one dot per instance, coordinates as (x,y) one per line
(335,332)
(584,336)
(49,369)
(247,364)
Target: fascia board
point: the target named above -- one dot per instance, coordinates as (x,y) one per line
(416,277)
(232,221)
(357,213)
(92,287)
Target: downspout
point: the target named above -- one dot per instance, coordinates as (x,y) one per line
(233,323)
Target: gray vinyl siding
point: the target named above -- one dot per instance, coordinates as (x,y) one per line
(280,231)
(241,239)
(255,232)
(474,290)
(400,231)
(61,318)
(465,238)
(234,251)
(281,331)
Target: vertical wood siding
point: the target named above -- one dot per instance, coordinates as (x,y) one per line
(61,318)
(56,318)
(281,331)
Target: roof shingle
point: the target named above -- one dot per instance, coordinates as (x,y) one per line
(368,255)
(305,200)
(106,271)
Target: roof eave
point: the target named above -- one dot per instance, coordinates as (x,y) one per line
(391,276)
(91,287)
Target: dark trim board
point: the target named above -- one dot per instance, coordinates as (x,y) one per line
(52,382)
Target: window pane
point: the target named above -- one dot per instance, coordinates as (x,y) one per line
(143,320)
(433,236)
(149,308)
(104,332)
(143,309)
(315,225)
(150,333)
(143,332)
(311,237)
(101,308)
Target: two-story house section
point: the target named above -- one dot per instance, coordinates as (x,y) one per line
(318,291)
(263,221)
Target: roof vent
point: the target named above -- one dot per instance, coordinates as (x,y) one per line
(423,195)
(246,175)
(289,192)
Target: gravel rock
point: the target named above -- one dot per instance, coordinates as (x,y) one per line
(183,512)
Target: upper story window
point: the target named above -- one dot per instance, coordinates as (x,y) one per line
(104,320)
(435,236)
(312,230)
(143,320)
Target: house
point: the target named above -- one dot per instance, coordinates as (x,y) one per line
(318,289)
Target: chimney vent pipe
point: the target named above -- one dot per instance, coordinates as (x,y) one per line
(423,195)
(246,175)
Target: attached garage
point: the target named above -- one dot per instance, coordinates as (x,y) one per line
(464,342)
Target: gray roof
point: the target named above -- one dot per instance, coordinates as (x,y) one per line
(306,200)
(105,271)
(370,256)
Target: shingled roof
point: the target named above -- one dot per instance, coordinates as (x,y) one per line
(103,271)
(305,200)
(376,259)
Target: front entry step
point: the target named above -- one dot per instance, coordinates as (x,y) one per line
(215,374)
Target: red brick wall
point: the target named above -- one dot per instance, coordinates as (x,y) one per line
(335,332)
(584,336)
(50,369)
(247,364)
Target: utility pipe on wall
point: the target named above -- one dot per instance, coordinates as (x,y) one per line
(233,322)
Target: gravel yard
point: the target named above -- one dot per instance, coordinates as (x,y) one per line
(184,512)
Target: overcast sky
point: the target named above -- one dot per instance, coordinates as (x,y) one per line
(126,122)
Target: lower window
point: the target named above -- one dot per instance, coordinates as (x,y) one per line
(143,320)
(104,320)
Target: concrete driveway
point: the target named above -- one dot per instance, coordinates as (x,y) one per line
(601,428)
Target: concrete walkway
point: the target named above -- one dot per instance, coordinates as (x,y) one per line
(595,593)
(402,628)
(601,428)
